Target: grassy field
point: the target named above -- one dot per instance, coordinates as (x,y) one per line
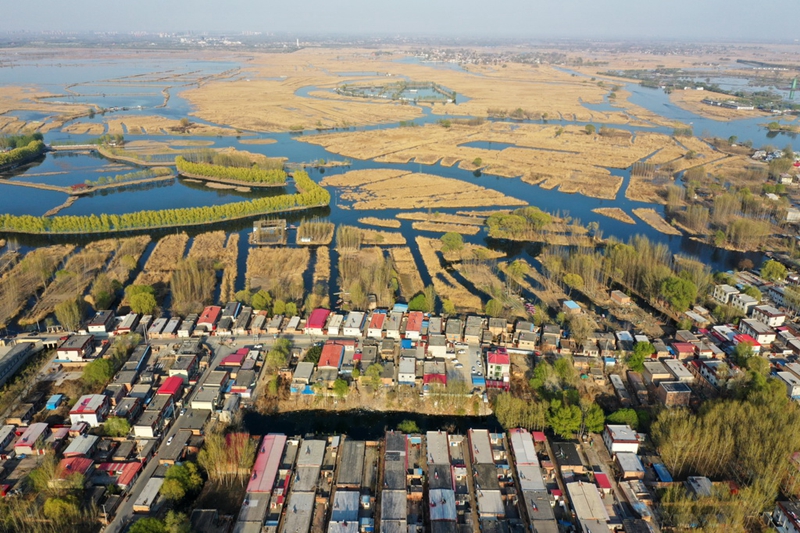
(380,222)
(319,296)
(278,270)
(407,272)
(445,284)
(217,251)
(397,189)
(654,220)
(692,100)
(616,213)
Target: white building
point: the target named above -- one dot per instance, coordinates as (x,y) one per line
(620,438)
(792,383)
(723,293)
(75,349)
(354,325)
(762,333)
(407,373)
(766,314)
(91,408)
(743,303)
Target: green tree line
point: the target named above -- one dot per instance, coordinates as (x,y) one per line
(19,141)
(24,153)
(253,174)
(310,194)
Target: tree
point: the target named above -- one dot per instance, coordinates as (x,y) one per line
(565,420)
(148,525)
(373,375)
(477,162)
(624,416)
(573,281)
(594,419)
(181,480)
(452,242)
(142,303)
(276,359)
(313,354)
(341,388)
(117,426)
(752,292)
(542,374)
(291,309)
(590,129)
(408,426)
(679,292)
(104,291)
(494,308)
(278,308)
(62,509)
(69,313)
(176,522)
(243,296)
(773,271)
(98,372)
(565,371)
(261,300)
(518,269)
(743,352)
(641,351)
(580,328)
(448,307)
(418,303)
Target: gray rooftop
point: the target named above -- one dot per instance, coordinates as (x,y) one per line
(351,465)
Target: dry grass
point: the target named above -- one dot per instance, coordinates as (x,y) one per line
(127,257)
(397,189)
(191,142)
(17,98)
(445,284)
(27,277)
(73,279)
(547,155)
(157,125)
(407,272)
(278,270)
(380,222)
(162,262)
(654,220)
(649,189)
(616,213)
(442,218)
(693,101)
(315,233)
(446,227)
(371,237)
(320,294)
(363,272)
(739,171)
(218,251)
(85,128)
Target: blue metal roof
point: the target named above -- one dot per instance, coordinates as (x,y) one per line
(662,473)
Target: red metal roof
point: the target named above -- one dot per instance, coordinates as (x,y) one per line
(499,357)
(683,347)
(74,465)
(88,404)
(538,436)
(210,315)
(172,386)
(435,378)
(124,472)
(414,321)
(267,462)
(332,354)
(602,481)
(234,359)
(377,320)
(318,318)
(743,337)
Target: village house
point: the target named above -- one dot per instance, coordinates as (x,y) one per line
(91,408)
(723,293)
(743,303)
(620,438)
(766,314)
(674,393)
(101,324)
(760,331)
(498,369)
(75,349)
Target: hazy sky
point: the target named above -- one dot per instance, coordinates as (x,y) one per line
(658,19)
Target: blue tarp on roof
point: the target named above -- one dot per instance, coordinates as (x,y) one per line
(400,308)
(406,343)
(571,304)
(662,473)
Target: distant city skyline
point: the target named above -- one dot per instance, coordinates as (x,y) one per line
(713,20)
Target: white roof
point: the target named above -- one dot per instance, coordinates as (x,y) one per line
(80,445)
(335,321)
(149,493)
(293,323)
(629,462)
(624,336)
(530,477)
(311,453)
(438,448)
(789,378)
(481,446)
(355,319)
(408,365)
(524,450)
(490,503)
(5,431)
(442,505)
(678,369)
(304,370)
(586,501)
(622,432)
